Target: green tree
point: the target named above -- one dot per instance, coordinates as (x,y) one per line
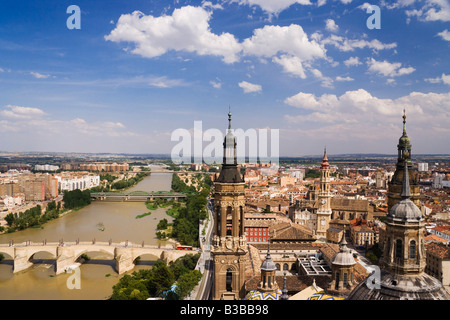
(187,282)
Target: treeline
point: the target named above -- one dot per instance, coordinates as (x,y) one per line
(76,198)
(187,218)
(171,282)
(32,217)
(178,185)
(127,183)
(118,185)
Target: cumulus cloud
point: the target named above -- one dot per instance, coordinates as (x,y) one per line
(271,6)
(339,78)
(352,61)
(432,10)
(444,35)
(250,87)
(291,64)
(442,79)
(388,69)
(330,25)
(216,83)
(360,116)
(271,40)
(327,82)
(18,112)
(187,29)
(32,121)
(345,45)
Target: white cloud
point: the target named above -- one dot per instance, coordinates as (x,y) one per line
(250,87)
(30,123)
(352,61)
(396,4)
(38,75)
(344,44)
(209,4)
(360,117)
(187,29)
(216,83)
(432,10)
(443,78)
(18,112)
(272,40)
(339,78)
(330,25)
(271,6)
(291,64)
(164,82)
(444,35)
(327,82)
(388,69)
(353,103)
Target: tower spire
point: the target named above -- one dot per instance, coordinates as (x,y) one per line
(406,192)
(404,122)
(229,118)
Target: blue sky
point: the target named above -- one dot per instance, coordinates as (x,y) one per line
(138,70)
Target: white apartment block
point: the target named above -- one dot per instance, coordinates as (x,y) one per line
(72,182)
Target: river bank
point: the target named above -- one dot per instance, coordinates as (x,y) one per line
(97,275)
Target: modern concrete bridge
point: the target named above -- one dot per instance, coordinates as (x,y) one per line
(140,196)
(66,254)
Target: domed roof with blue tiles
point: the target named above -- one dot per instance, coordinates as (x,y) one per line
(258,295)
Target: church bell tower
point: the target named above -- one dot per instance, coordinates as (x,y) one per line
(404,158)
(229,243)
(324,209)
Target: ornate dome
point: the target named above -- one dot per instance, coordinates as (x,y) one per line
(323,296)
(405,209)
(344,257)
(268,264)
(400,287)
(258,295)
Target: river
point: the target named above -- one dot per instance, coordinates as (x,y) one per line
(97,276)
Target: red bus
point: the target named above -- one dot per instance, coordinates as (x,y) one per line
(189,248)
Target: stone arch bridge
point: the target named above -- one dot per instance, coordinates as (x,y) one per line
(66,254)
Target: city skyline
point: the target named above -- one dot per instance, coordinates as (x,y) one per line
(135,72)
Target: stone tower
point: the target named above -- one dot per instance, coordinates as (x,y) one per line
(402,265)
(229,243)
(268,283)
(324,209)
(342,266)
(404,157)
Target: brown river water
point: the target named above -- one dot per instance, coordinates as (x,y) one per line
(97,276)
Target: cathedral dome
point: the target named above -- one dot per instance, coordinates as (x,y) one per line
(399,287)
(344,257)
(258,295)
(405,209)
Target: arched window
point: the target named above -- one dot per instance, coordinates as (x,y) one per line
(278,266)
(398,249)
(285,267)
(345,282)
(229,280)
(229,219)
(337,281)
(412,249)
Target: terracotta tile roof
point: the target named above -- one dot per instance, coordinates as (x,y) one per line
(439,250)
(290,231)
(349,204)
(294,284)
